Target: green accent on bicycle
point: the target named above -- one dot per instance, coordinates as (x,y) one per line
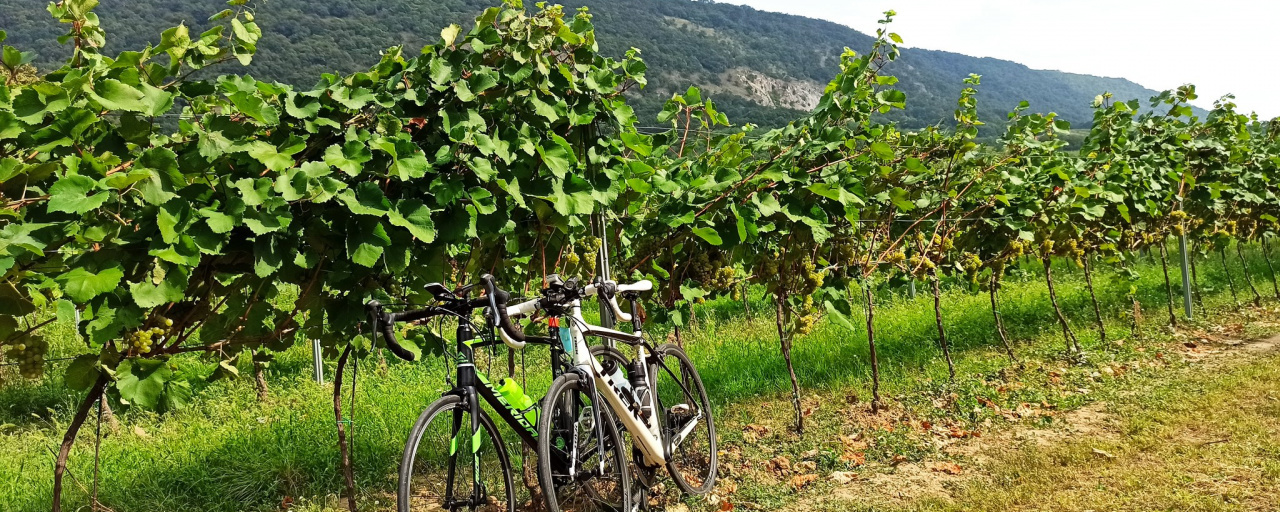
(453,446)
(475,442)
(525,411)
(519,402)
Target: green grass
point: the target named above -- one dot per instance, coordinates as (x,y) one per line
(228,451)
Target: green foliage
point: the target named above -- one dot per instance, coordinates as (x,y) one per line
(367,186)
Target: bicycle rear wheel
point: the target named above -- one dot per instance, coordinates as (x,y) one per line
(448,467)
(578,469)
(685,416)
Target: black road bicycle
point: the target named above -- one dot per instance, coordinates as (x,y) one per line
(455,458)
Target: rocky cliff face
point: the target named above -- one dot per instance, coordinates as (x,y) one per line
(768,91)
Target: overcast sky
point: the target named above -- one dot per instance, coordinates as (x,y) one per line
(1221,46)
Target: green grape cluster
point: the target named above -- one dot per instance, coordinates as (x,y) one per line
(1046,249)
(943,244)
(711,270)
(722,278)
(769,265)
(971,264)
(807,316)
(29,352)
(1017,248)
(813,278)
(590,247)
(142,340)
(896,258)
(1076,253)
(843,251)
(920,265)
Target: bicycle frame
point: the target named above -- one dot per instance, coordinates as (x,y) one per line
(646,434)
(472,383)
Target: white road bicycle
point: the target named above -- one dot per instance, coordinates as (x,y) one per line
(657,397)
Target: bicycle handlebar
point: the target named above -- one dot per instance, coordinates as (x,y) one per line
(387,322)
(495,298)
(498,298)
(606,289)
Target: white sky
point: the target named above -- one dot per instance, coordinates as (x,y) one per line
(1221,46)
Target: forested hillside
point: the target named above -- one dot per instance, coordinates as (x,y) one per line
(760,67)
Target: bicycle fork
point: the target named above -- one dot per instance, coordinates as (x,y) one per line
(467,390)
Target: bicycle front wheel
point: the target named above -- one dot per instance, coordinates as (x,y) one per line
(685,414)
(582,465)
(448,466)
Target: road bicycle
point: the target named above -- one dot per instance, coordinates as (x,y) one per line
(455,458)
(666,412)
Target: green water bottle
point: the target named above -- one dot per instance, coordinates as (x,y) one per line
(514,394)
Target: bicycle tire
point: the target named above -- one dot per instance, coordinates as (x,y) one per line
(546,477)
(405,490)
(694,385)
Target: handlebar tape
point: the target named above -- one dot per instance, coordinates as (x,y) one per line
(387,323)
(499,300)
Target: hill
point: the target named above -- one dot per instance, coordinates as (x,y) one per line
(760,67)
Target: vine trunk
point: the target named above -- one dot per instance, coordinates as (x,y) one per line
(1068,335)
(1231,283)
(1248,278)
(942,331)
(871,346)
(785,342)
(348,474)
(995,312)
(68,439)
(1093,296)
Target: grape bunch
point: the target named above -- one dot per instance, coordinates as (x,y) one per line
(1046,249)
(711,270)
(142,340)
(571,259)
(1076,253)
(896,258)
(807,316)
(813,278)
(1017,248)
(971,264)
(29,352)
(590,249)
(843,252)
